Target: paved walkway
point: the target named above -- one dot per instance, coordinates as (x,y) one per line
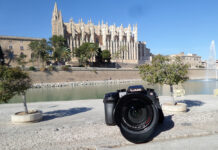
(192,143)
(80,125)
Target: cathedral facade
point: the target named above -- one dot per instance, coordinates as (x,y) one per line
(118,40)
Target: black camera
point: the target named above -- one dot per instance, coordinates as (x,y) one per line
(136,111)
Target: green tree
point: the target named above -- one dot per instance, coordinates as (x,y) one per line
(21,60)
(13,81)
(92,50)
(106,55)
(86,52)
(62,54)
(82,53)
(162,70)
(60,50)
(10,56)
(98,57)
(58,41)
(2,59)
(66,55)
(40,50)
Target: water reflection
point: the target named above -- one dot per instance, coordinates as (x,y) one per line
(192,87)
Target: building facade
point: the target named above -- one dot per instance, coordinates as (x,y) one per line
(15,46)
(193,60)
(110,38)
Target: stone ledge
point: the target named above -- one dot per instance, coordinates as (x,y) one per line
(178,107)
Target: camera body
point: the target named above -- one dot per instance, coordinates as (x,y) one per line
(136,111)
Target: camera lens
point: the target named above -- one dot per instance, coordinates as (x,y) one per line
(137,114)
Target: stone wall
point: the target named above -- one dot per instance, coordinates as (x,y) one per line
(201,74)
(82,75)
(97,75)
(17,45)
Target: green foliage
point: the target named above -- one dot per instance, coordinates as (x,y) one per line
(58,41)
(21,60)
(2,59)
(8,54)
(93,49)
(106,56)
(40,50)
(201,66)
(62,54)
(32,68)
(60,50)
(164,71)
(86,52)
(98,57)
(13,81)
(66,68)
(52,68)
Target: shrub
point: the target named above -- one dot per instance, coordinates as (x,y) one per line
(106,56)
(13,81)
(52,68)
(32,68)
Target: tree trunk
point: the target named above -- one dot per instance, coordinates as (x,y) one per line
(24,103)
(92,61)
(171,92)
(122,56)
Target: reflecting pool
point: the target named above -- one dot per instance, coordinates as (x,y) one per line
(192,87)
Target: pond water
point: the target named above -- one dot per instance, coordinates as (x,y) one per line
(192,87)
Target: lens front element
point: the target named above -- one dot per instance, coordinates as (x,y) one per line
(137,114)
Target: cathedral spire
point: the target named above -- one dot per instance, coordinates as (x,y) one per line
(57,22)
(55,9)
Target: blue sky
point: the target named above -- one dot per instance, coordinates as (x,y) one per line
(168,26)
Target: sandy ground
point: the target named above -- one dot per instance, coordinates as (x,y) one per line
(80,125)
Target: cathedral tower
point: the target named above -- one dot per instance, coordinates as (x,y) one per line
(108,37)
(57,22)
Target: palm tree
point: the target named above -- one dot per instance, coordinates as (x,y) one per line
(10,56)
(66,55)
(40,50)
(60,50)
(57,41)
(93,48)
(21,60)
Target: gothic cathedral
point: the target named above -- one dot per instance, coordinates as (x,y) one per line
(110,38)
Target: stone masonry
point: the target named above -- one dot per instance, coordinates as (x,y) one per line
(108,37)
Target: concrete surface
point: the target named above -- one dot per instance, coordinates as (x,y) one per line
(193,143)
(80,125)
